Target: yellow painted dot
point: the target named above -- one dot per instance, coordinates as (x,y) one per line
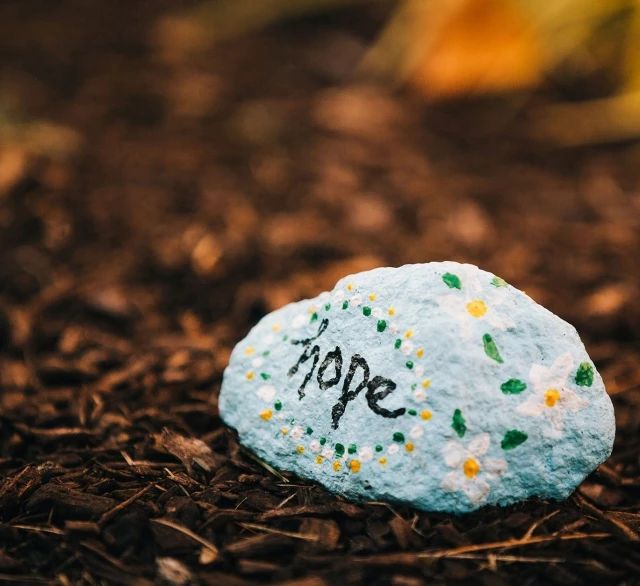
(372,297)
(249,351)
(284,431)
(392,310)
(319,460)
(471,468)
(349,287)
(382,461)
(409,447)
(476,308)
(409,333)
(551,397)
(355,466)
(266,415)
(312,309)
(249,375)
(420,353)
(426,383)
(426,415)
(336,465)
(276,328)
(300,449)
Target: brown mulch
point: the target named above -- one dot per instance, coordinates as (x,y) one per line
(207,190)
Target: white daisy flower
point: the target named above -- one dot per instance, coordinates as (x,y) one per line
(281,417)
(296,432)
(266,393)
(299,320)
(393,328)
(366,454)
(551,397)
(356,300)
(406,347)
(338,296)
(327,453)
(470,470)
(471,305)
(419,395)
(419,370)
(257,362)
(314,446)
(377,313)
(393,449)
(416,431)
(268,339)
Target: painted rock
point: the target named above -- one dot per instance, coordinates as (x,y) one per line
(435,385)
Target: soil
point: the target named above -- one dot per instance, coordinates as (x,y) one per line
(162,200)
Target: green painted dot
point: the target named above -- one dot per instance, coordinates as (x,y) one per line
(327,307)
(339,450)
(292,421)
(513,387)
(278,405)
(512,439)
(412,412)
(323,440)
(379,448)
(309,430)
(345,304)
(584,376)
(398,343)
(398,437)
(352,449)
(452,281)
(382,325)
(285,338)
(314,317)
(266,353)
(498,282)
(414,387)
(409,364)
(366,311)
(490,349)
(458,423)
(265,376)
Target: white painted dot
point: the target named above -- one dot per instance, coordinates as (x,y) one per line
(406,347)
(268,339)
(324,295)
(327,452)
(393,328)
(377,313)
(257,362)
(281,417)
(356,300)
(419,370)
(366,454)
(338,296)
(393,449)
(416,431)
(296,432)
(266,393)
(314,446)
(299,321)
(419,395)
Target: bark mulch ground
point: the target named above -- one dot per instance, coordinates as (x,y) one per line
(210,189)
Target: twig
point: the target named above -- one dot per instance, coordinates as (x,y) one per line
(113,512)
(186,531)
(257,527)
(267,467)
(39,529)
(537,524)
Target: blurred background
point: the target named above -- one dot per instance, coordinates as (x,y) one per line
(170,171)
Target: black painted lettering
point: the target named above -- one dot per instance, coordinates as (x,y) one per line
(336,358)
(373,397)
(306,355)
(347,395)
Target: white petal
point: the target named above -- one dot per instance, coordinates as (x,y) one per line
(560,370)
(268,339)
(494,466)
(406,347)
(393,328)
(338,296)
(366,454)
(452,305)
(531,408)
(377,313)
(471,283)
(257,362)
(356,300)
(327,453)
(416,431)
(266,393)
(477,490)
(479,445)
(556,418)
(453,454)
(314,446)
(499,296)
(538,375)
(296,432)
(419,370)
(299,321)
(571,401)
(419,395)
(502,322)
(450,482)
(393,449)
(467,328)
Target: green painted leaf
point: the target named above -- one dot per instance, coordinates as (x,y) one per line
(381,325)
(512,439)
(584,376)
(498,282)
(265,376)
(458,423)
(398,437)
(366,311)
(339,450)
(314,317)
(513,387)
(452,281)
(490,348)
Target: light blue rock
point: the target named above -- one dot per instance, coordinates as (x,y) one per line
(436,385)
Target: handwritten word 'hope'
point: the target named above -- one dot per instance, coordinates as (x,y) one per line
(334,357)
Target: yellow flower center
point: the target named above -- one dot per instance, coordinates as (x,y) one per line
(551,397)
(471,468)
(476,308)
